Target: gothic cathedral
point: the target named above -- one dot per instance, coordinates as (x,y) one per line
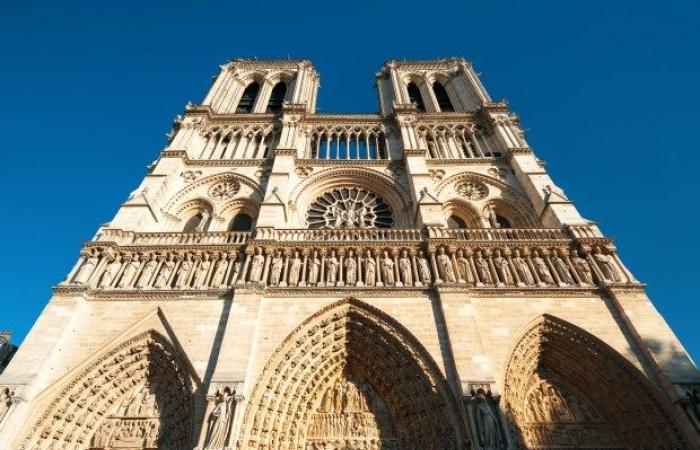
(407,280)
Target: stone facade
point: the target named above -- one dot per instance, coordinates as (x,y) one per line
(412,279)
(7,349)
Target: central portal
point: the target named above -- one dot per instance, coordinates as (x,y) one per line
(352,415)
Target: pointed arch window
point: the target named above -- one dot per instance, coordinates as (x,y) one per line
(245,105)
(277,98)
(415,96)
(442,98)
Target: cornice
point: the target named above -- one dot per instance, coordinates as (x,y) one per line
(301,162)
(215,162)
(492,162)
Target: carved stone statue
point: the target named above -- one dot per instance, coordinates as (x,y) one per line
(86,269)
(129,271)
(350,269)
(542,269)
(503,268)
(295,269)
(486,423)
(464,268)
(331,269)
(370,269)
(493,218)
(276,268)
(314,267)
(523,269)
(147,273)
(607,266)
(182,275)
(388,269)
(200,275)
(219,420)
(405,268)
(562,268)
(164,275)
(256,268)
(5,401)
(424,269)
(217,280)
(201,226)
(583,268)
(444,263)
(110,273)
(482,267)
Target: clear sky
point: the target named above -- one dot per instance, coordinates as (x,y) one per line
(608,90)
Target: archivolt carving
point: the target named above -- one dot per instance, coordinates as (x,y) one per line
(212,180)
(551,348)
(465,177)
(139,394)
(385,187)
(351,339)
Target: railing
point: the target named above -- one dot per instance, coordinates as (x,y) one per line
(498,234)
(174,238)
(585,231)
(373,234)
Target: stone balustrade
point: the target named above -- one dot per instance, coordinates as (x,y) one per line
(357,234)
(366,258)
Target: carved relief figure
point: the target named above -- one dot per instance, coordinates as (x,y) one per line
(86,269)
(523,269)
(584,269)
(542,269)
(424,268)
(370,269)
(314,267)
(331,269)
(182,275)
(607,266)
(562,268)
(503,268)
(200,275)
(482,267)
(217,280)
(295,269)
(445,267)
(387,269)
(350,269)
(110,273)
(405,268)
(219,420)
(276,268)
(256,266)
(165,272)
(148,269)
(5,401)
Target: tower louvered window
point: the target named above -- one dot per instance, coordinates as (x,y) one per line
(245,105)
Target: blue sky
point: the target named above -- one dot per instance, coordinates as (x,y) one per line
(608,90)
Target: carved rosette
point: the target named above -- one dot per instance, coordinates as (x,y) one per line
(224,190)
(472,190)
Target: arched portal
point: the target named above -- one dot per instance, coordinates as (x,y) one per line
(351,377)
(137,396)
(565,388)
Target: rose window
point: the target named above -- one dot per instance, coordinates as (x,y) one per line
(224,190)
(349,208)
(473,190)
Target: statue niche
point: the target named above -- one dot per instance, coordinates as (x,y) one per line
(351,415)
(556,416)
(343,208)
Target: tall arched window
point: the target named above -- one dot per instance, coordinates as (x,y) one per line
(415,97)
(241,222)
(198,222)
(245,105)
(456,222)
(277,97)
(442,98)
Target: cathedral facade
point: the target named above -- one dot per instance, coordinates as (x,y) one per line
(284,279)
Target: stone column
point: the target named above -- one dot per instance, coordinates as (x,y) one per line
(285,269)
(397,272)
(433,265)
